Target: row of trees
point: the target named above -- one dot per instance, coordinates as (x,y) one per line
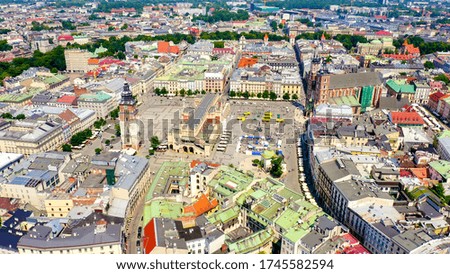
(78,138)
(230,35)
(223,15)
(99,123)
(53,60)
(8,115)
(347,40)
(350,41)
(262,95)
(182,92)
(4,46)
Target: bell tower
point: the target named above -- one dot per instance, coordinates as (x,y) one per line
(130,131)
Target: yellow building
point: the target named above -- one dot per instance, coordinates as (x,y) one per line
(58,205)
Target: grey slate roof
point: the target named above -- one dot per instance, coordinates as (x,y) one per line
(81,237)
(351,80)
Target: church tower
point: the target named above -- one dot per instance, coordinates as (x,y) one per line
(130,131)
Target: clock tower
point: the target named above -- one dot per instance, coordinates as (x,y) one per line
(129,126)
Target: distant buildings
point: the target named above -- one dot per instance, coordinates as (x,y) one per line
(77,60)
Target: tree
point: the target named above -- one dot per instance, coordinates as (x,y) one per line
(4,46)
(350,41)
(219,44)
(67,148)
(189,92)
(154,142)
(20,117)
(255,162)
(78,138)
(294,97)
(124,27)
(7,115)
(99,123)
(114,114)
(117,127)
(232,93)
(107,142)
(67,25)
(98,150)
(259,95)
(273,96)
(274,26)
(203,91)
(443,78)
(222,15)
(276,170)
(120,55)
(182,93)
(286,96)
(266,94)
(246,95)
(111,28)
(429,65)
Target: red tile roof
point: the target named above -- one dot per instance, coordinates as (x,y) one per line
(350,238)
(163,47)
(410,49)
(381,17)
(149,237)
(420,173)
(5,203)
(65,37)
(436,96)
(93,61)
(383,32)
(201,206)
(68,116)
(357,249)
(67,99)
(223,51)
(195,163)
(399,56)
(406,118)
(247,62)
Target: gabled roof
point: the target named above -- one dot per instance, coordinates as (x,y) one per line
(406,118)
(353,80)
(201,206)
(400,86)
(67,99)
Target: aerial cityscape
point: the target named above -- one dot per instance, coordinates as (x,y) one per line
(225,127)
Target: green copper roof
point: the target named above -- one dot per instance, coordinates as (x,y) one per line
(442,167)
(400,86)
